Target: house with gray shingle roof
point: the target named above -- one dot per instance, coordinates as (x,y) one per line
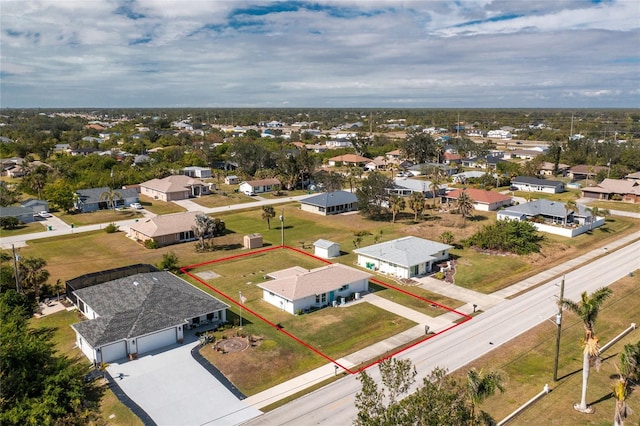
(297,289)
(23,214)
(532,184)
(328,203)
(404,257)
(93,199)
(140,313)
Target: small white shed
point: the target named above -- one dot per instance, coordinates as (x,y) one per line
(326,249)
(231,180)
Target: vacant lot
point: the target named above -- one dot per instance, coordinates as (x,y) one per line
(100,216)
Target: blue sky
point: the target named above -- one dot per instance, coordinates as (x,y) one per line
(325,54)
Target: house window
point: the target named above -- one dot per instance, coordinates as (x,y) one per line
(321,298)
(344,287)
(210,316)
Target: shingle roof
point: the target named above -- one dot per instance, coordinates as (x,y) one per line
(263,182)
(140,304)
(166,224)
(296,283)
(172,183)
(407,251)
(330,199)
(350,158)
(615,186)
(93,195)
(12,211)
(546,208)
(535,181)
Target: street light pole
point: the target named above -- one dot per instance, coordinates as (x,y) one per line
(559,324)
(282,226)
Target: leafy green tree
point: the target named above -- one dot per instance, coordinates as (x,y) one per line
(36,179)
(372,194)
(513,236)
(417,203)
(447,237)
(204,227)
(169,262)
(8,195)
(419,147)
(61,194)
(361,143)
(9,222)
(587,309)
(268,213)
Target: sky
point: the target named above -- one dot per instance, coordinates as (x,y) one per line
(320,54)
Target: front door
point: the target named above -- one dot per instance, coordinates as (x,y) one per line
(332,296)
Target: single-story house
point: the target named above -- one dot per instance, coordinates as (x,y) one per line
(36,205)
(585,171)
(176,187)
(553,217)
(634,177)
(231,180)
(521,154)
(404,257)
(427,168)
(532,184)
(547,168)
(326,249)
(348,160)
(378,163)
(165,229)
(297,289)
(624,190)
(328,203)
(197,172)
(23,214)
(463,177)
(405,186)
(90,200)
(252,187)
(488,162)
(483,200)
(140,313)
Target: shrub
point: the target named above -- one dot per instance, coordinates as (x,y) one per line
(9,222)
(151,244)
(111,228)
(439,275)
(509,236)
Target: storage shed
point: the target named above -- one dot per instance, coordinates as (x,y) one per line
(252,241)
(326,249)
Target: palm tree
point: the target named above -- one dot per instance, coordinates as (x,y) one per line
(595,211)
(33,275)
(465,205)
(417,204)
(434,186)
(268,213)
(569,206)
(481,385)
(629,369)
(587,309)
(110,197)
(396,204)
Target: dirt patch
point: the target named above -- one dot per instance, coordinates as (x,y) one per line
(233,344)
(207,275)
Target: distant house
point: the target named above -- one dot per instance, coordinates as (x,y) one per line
(197,172)
(176,187)
(378,163)
(297,289)
(635,177)
(23,214)
(406,186)
(608,189)
(499,134)
(522,154)
(427,168)
(326,249)
(404,257)
(483,200)
(548,169)
(328,203)
(36,205)
(532,184)
(348,160)
(464,177)
(165,229)
(93,199)
(140,313)
(488,162)
(252,187)
(585,171)
(553,217)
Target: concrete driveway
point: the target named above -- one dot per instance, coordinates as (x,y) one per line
(172,388)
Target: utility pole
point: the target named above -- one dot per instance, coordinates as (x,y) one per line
(559,324)
(282,226)
(16,270)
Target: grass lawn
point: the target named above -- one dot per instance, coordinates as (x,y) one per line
(616,205)
(220,200)
(528,360)
(25,228)
(64,340)
(568,195)
(159,206)
(100,216)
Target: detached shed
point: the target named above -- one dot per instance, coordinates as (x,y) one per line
(326,249)
(252,241)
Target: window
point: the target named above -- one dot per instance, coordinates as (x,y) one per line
(321,298)
(344,287)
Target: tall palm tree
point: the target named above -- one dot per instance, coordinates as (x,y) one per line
(569,206)
(417,204)
(595,212)
(110,197)
(481,385)
(434,186)
(396,204)
(268,213)
(587,309)
(465,205)
(629,370)
(33,275)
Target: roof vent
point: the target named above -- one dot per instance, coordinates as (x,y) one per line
(154,278)
(136,283)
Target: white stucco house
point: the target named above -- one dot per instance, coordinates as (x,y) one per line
(252,187)
(404,257)
(328,203)
(326,249)
(140,313)
(532,184)
(297,289)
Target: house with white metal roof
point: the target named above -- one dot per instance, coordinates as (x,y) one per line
(404,257)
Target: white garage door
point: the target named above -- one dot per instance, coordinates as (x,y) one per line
(114,351)
(156,340)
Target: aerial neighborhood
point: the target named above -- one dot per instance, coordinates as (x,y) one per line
(269,249)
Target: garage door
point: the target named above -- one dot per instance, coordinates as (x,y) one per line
(114,351)
(156,340)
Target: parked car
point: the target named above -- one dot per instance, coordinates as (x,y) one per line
(136,206)
(44,214)
(513,188)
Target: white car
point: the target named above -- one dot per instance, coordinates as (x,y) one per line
(44,214)
(136,206)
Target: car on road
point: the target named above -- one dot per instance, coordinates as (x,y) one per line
(44,214)
(136,206)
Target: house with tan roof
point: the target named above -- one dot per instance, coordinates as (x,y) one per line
(483,200)
(349,160)
(611,189)
(297,289)
(176,187)
(165,229)
(585,171)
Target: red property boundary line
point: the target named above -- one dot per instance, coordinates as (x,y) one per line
(186,270)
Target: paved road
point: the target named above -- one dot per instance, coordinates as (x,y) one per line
(333,404)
